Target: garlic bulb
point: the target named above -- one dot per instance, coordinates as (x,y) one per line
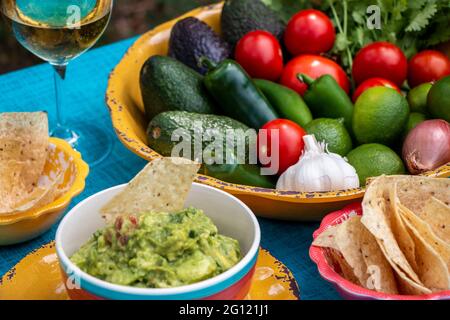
(318,170)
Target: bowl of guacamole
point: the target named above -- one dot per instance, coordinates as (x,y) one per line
(207,250)
(158,250)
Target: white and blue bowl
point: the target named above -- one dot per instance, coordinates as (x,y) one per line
(232,217)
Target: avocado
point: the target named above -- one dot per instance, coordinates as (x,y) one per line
(192,39)
(239,17)
(167,84)
(164,127)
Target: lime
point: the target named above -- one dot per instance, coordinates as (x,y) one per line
(333,133)
(417,98)
(414,119)
(380,116)
(373,160)
(439,99)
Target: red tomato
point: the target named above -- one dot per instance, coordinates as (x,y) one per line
(427,66)
(313,66)
(309,31)
(380,59)
(291,145)
(374,82)
(260,54)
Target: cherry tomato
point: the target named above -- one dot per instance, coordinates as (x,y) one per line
(427,66)
(291,145)
(313,66)
(309,31)
(380,59)
(260,54)
(374,82)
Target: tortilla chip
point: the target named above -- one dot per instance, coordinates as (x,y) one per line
(425,232)
(415,191)
(343,268)
(376,219)
(381,277)
(327,239)
(404,239)
(162,185)
(24,137)
(437,214)
(405,284)
(11,186)
(41,195)
(432,269)
(348,237)
(23,153)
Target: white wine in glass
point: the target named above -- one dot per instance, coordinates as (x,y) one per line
(58,31)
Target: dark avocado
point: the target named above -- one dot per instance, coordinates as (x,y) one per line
(167,84)
(192,39)
(239,17)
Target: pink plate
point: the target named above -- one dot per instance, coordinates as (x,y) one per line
(347,289)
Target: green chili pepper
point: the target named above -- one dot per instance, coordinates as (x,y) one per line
(286,102)
(327,99)
(245,174)
(236,93)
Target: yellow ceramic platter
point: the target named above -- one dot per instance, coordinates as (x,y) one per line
(38,277)
(19,227)
(126,107)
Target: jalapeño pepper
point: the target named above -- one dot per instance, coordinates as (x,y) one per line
(236,93)
(245,174)
(286,102)
(239,172)
(327,99)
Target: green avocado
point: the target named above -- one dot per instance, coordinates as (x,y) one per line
(168,130)
(158,250)
(167,84)
(239,17)
(162,127)
(192,39)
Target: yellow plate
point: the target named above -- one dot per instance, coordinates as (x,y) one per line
(20,227)
(126,107)
(38,277)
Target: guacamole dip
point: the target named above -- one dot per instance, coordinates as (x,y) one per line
(158,250)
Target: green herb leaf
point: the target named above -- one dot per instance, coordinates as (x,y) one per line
(422,18)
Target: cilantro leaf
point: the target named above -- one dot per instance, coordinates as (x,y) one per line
(422,18)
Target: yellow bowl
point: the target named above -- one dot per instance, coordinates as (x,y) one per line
(23,226)
(127,112)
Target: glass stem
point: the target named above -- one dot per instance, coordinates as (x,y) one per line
(61,130)
(60,76)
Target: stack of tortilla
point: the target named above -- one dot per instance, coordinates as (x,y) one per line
(401,244)
(24,144)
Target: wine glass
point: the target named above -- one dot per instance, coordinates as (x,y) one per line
(58,31)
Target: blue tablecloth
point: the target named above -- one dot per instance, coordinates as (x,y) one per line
(32,89)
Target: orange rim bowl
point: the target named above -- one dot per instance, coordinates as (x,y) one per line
(23,226)
(124,101)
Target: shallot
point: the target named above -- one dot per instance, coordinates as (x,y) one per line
(427,146)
